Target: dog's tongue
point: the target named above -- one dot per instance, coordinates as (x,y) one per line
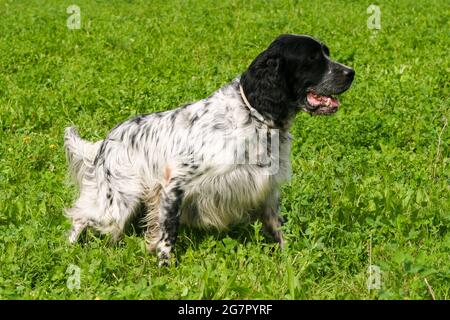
(318,100)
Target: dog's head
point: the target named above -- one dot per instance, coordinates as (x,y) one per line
(295,73)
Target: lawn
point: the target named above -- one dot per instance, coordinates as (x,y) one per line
(371,185)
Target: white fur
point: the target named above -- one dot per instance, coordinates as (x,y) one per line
(203,146)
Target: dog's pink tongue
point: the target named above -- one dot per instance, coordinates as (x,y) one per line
(317,100)
(314,99)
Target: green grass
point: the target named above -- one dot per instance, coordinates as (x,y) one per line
(374,178)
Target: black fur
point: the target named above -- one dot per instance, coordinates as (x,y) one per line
(277,81)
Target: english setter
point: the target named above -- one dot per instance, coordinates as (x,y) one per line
(211,163)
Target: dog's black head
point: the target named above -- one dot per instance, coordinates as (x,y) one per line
(295,73)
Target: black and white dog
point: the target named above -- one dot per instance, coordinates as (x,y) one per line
(211,163)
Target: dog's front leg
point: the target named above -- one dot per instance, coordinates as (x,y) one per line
(169,220)
(271,218)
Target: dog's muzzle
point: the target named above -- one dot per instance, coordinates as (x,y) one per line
(321,99)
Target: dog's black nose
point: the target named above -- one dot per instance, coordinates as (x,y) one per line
(349,73)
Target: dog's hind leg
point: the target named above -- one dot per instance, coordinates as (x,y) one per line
(272,220)
(84,213)
(102,207)
(152,201)
(119,207)
(84,209)
(78,225)
(110,219)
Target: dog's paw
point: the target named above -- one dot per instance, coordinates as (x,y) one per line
(73,235)
(164,263)
(163,259)
(163,254)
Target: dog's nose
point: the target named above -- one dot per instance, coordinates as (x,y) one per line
(349,73)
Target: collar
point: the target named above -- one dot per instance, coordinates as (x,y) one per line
(253,111)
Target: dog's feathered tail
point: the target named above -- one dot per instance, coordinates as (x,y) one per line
(80,153)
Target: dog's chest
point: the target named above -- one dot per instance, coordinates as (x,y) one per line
(220,198)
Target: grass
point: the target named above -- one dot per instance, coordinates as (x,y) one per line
(371,185)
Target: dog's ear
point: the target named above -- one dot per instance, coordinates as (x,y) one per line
(268,67)
(274,64)
(265,86)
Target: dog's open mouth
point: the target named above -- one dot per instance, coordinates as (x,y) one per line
(321,104)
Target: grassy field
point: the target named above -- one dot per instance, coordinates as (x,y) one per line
(371,184)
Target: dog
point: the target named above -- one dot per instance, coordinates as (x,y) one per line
(212,163)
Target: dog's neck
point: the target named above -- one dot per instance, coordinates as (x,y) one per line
(275,113)
(268,121)
(255,112)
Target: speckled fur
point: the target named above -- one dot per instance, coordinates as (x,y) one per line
(212,163)
(190,150)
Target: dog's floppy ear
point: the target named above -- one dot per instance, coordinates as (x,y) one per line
(267,71)
(273,64)
(265,86)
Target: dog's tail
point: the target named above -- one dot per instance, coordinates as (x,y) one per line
(80,153)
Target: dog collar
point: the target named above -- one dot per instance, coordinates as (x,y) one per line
(253,111)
